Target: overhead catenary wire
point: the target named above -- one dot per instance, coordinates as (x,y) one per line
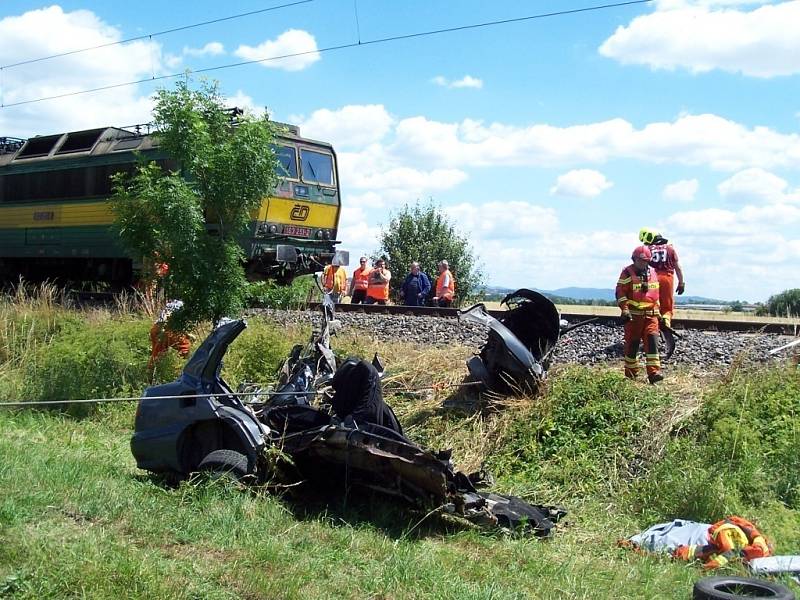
(154,34)
(256,394)
(357,44)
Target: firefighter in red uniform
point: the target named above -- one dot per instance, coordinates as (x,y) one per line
(665,262)
(637,296)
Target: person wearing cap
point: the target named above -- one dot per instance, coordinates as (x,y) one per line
(638,299)
(415,287)
(360,282)
(378,283)
(445,286)
(334,280)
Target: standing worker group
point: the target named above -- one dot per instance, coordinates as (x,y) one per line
(665,261)
(445,286)
(638,298)
(360,282)
(378,284)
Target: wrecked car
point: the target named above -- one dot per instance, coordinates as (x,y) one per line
(338,433)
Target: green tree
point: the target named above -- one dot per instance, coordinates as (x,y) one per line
(785,304)
(194,218)
(422,233)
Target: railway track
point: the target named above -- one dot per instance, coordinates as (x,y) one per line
(734,325)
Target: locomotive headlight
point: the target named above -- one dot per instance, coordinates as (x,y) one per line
(273,229)
(319,235)
(327,235)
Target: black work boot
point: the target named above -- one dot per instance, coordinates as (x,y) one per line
(655,377)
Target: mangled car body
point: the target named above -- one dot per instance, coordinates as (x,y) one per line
(517,351)
(337,431)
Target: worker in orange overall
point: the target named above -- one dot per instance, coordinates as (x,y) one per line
(730,538)
(378,284)
(163,338)
(638,299)
(665,262)
(445,286)
(360,282)
(334,280)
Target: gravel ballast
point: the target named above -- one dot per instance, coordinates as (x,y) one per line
(589,344)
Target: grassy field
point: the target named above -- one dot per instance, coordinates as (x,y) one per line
(680,313)
(78,520)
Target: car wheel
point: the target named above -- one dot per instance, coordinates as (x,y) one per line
(739,588)
(226,463)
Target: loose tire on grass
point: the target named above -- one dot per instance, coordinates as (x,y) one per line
(739,588)
(226,464)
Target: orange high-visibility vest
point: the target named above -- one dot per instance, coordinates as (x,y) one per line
(376,288)
(361,278)
(335,280)
(446,285)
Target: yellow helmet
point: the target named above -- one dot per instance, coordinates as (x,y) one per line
(647,235)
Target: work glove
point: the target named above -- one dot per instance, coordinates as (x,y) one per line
(625,317)
(681,288)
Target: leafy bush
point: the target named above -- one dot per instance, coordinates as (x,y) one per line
(785,304)
(581,436)
(259,351)
(271,295)
(741,451)
(90,362)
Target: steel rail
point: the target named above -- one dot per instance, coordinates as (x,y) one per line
(572,316)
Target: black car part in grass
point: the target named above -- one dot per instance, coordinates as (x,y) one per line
(739,588)
(220,432)
(519,345)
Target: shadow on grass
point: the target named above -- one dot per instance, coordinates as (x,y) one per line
(356,507)
(360,508)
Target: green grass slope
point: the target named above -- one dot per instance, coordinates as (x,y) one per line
(78,520)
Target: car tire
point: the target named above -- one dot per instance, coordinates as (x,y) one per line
(226,464)
(739,588)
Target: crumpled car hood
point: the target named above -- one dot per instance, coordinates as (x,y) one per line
(516,354)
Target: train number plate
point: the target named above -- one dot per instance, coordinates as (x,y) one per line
(298,231)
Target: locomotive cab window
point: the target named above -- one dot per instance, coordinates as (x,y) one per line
(287,161)
(316,167)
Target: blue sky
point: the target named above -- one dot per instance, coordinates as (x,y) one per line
(549,142)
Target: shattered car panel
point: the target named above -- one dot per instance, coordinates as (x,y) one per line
(173,435)
(516,354)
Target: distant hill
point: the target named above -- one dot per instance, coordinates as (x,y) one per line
(578,293)
(601,294)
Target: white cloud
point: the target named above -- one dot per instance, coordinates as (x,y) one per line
(298,46)
(703,36)
(57,32)
(581,183)
(352,125)
(757,185)
(504,219)
(468,81)
(210,49)
(693,140)
(681,191)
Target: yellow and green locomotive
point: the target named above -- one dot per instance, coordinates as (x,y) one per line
(56,220)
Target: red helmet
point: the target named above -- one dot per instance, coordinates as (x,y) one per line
(642,252)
